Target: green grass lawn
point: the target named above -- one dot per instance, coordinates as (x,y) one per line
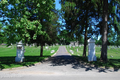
(113,56)
(7,56)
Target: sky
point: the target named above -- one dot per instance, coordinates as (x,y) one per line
(57,5)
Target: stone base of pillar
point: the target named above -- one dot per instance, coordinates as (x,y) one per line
(92,58)
(19,60)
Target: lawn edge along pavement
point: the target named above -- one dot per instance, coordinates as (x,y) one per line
(35,64)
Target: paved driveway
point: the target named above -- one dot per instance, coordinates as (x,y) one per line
(61,66)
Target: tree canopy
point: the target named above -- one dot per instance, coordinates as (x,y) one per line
(92,18)
(32,21)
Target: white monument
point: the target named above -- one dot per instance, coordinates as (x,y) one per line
(20,52)
(91,50)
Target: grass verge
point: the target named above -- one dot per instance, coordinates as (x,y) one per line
(113,56)
(7,56)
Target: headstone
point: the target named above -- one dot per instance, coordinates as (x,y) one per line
(79,45)
(70,45)
(118,46)
(52,51)
(76,43)
(46,47)
(71,51)
(111,56)
(33,44)
(73,46)
(77,49)
(9,46)
(20,52)
(26,44)
(91,50)
(57,44)
(46,44)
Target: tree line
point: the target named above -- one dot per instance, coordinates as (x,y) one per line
(92,18)
(32,21)
(36,21)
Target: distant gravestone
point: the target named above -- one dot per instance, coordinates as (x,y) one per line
(118,46)
(46,47)
(20,52)
(33,44)
(71,51)
(73,46)
(91,50)
(26,44)
(76,43)
(52,51)
(9,46)
(72,43)
(46,44)
(57,44)
(79,45)
(77,49)
(111,56)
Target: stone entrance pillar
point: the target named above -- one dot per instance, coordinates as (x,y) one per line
(20,52)
(91,50)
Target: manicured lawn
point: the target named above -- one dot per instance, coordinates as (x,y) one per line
(7,56)
(113,56)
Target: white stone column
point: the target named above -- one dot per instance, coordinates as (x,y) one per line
(91,50)
(20,52)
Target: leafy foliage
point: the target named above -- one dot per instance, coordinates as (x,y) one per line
(83,17)
(32,21)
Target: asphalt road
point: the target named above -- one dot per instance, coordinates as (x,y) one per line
(61,66)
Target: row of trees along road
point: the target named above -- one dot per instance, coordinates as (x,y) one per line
(81,16)
(35,21)
(32,21)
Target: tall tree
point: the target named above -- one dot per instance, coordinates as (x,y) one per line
(30,20)
(77,14)
(104,31)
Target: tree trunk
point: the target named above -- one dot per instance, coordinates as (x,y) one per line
(85,42)
(104,31)
(41,52)
(85,36)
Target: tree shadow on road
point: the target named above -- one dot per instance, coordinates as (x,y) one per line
(80,62)
(9,62)
(76,62)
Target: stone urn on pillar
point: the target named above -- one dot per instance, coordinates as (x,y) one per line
(20,52)
(91,50)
